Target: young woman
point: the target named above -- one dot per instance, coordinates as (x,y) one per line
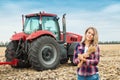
(88,69)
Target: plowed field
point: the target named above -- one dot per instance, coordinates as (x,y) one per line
(109,68)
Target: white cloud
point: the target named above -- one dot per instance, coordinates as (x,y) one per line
(106,21)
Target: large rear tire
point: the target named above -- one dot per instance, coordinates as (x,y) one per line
(44,53)
(10,54)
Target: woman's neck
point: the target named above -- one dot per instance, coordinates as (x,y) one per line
(87,43)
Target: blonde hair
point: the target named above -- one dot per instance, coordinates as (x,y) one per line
(95,36)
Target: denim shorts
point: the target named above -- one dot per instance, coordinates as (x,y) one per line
(91,77)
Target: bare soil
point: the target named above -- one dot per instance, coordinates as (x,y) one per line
(108,68)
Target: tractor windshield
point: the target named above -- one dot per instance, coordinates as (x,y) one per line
(31,24)
(51,24)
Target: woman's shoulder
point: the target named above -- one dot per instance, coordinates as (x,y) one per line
(98,47)
(79,45)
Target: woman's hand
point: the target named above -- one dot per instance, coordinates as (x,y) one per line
(85,55)
(81,57)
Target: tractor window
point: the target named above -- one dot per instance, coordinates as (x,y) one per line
(50,24)
(31,24)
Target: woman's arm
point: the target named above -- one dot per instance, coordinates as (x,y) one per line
(76,59)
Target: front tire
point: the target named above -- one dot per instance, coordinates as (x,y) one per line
(44,53)
(71,52)
(11,50)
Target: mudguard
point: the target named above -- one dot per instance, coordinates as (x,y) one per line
(39,33)
(18,36)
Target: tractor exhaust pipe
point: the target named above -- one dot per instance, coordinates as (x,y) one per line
(64,27)
(23,22)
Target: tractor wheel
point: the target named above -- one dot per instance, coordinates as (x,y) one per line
(11,50)
(44,53)
(71,52)
(10,53)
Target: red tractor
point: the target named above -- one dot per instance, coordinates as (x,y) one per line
(41,45)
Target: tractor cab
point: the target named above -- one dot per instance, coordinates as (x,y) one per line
(42,21)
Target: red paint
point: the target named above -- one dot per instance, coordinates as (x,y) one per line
(13,62)
(42,14)
(18,36)
(39,33)
(71,37)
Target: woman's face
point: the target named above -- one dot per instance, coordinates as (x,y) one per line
(89,35)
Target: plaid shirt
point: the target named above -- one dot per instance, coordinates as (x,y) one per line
(90,66)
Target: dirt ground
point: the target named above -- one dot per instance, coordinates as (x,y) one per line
(108,68)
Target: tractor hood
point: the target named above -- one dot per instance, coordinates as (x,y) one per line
(71,37)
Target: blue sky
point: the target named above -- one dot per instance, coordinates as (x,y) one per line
(102,14)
